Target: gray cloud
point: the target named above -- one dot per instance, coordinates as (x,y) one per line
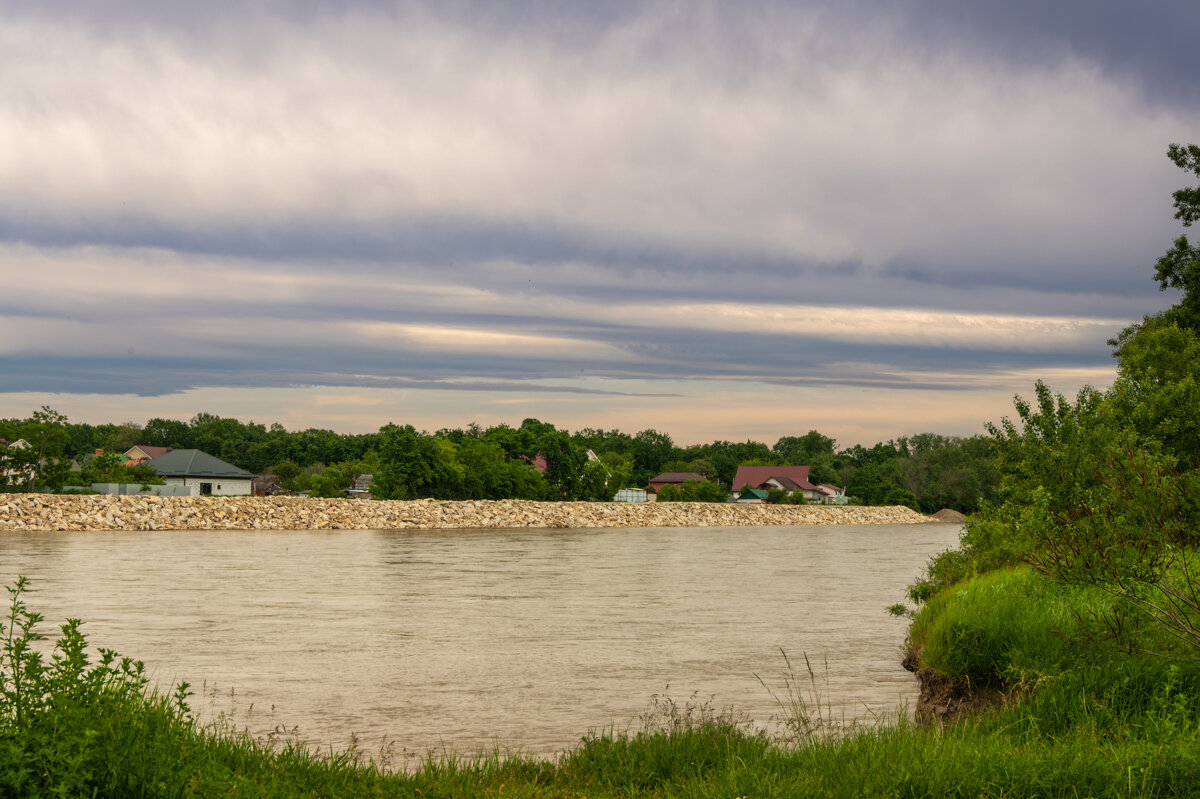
(515,196)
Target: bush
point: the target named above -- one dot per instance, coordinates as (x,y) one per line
(1013,625)
(69,727)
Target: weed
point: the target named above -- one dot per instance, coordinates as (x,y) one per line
(806,718)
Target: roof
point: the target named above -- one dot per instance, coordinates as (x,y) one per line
(195,463)
(677,477)
(151,452)
(786,483)
(753,493)
(755,476)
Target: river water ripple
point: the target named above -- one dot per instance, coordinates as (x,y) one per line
(469,639)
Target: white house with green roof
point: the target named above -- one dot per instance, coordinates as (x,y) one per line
(202,473)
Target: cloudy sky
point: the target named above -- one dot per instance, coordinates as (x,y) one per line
(720,220)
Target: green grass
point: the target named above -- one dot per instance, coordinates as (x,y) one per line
(1011,624)
(1097,723)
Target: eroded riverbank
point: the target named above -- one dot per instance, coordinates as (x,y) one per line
(79,513)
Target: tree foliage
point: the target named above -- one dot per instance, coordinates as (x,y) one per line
(1104,491)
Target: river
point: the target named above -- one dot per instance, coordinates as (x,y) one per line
(465,640)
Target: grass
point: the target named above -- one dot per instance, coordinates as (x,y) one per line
(1097,723)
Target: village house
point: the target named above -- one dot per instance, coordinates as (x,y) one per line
(201,472)
(784,478)
(674,479)
(140,453)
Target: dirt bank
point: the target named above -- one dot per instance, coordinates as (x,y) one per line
(945,698)
(50,513)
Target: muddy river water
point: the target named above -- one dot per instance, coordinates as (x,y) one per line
(469,639)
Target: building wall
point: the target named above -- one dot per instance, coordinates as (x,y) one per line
(220,486)
(135,489)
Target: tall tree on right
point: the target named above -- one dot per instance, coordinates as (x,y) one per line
(1179,267)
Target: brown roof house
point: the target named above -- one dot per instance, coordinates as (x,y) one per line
(787,478)
(673,479)
(140,453)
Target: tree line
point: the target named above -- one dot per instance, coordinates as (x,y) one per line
(926,472)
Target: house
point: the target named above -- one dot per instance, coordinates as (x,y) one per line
(752,496)
(835,495)
(631,495)
(361,487)
(674,479)
(18,475)
(267,485)
(201,472)
(786,478)
(540,463)
(140,453)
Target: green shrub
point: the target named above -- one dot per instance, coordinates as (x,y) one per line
(1012,624)
(69,727)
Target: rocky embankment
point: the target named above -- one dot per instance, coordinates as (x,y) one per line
(63,513)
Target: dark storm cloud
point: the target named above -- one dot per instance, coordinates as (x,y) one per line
(1151,43)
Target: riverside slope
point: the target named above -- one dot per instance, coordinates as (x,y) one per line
(44,512)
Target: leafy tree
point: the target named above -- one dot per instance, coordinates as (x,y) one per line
(42,464)
(797,449)
(727,456)
(1179,267)
(565,460)
(172,433)
(1136,539)
(488,473)
(602,479)
(1105,491)
(693,491)
(1157,391)
(669,493)
(650,449)
(777,496)
(109,467)
(123,437)
(412,465)
(287,472)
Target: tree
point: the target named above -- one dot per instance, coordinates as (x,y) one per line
(123,437)
(603,478)
(45,463)
(109,467)
(412,465)
(1157,391)
(172,433)
(804,449)
(488,473)
(1105,491)
(1179,267)
(565,461)
(651,449)
(669,493)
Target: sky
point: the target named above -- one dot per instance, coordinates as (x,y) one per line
(720,220)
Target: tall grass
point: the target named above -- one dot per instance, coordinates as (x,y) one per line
(1012,625)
